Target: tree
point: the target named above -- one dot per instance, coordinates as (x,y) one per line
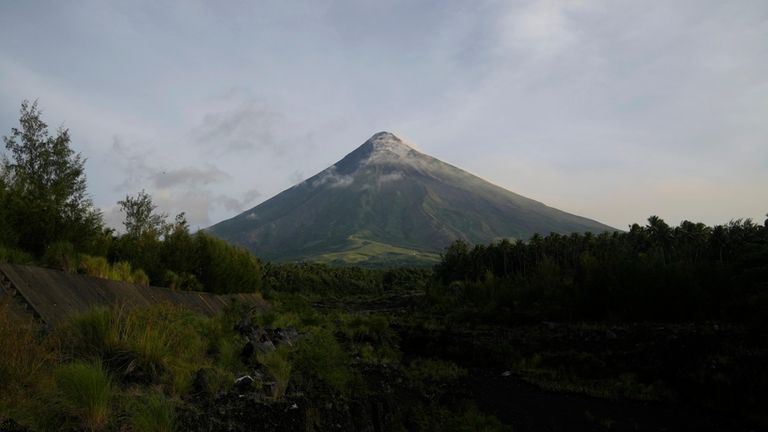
(45,197)
(140,216)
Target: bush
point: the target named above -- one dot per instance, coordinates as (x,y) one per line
(319,356)
(94,266)
(84,391)
(14,256)
(225,268)
(61,256)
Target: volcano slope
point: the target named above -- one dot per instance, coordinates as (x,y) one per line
(386,203)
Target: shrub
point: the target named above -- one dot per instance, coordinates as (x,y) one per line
(61,256)
(14,256)
(94,266)
(225,268)
(319,356)
(84,391)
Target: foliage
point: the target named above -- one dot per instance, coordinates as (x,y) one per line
(61,255)
(656,272)
(84,391)
(319,356)
(278,366)
(24,359)
(140,216)
(153,412)
(225,268)
(119,271)
(326,280)
(174,258)
(14,255)
(43,188)
(161,344)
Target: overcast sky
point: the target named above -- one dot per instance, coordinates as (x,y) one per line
(614,110)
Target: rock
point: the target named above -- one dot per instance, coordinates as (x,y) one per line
(264,347)
(247,352)
(244,383)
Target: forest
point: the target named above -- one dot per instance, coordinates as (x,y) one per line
(691,272)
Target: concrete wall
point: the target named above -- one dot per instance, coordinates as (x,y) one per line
(52,295)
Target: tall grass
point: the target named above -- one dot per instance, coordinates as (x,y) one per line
(24,357)
(278,366)
(97,266)
(163,343)
(153,412)
(85,391)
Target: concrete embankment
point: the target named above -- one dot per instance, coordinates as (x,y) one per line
(51,295)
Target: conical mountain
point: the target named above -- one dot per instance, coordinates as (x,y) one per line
(386,203)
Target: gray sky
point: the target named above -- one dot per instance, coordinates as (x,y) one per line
(613,110)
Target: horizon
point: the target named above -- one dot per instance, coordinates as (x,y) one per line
(611,111)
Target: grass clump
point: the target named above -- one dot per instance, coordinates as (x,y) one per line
(277,364)
(153,412)
(161,344)
(84,391)
(99,267)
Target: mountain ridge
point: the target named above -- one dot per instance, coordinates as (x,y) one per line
(396,199)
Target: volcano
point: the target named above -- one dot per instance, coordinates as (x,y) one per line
(389,204)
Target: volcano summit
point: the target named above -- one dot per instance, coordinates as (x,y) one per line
(388,204)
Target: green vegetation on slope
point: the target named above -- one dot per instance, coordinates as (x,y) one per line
(368,253)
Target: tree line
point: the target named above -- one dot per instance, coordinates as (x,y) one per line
(652,272)
(47,217)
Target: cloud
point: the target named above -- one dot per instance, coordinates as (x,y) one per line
(188,176)
(247,126)
(390,177)
(542,27)
(135,168)
(250,196)
(333,179)
(296,177)
(237,205)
